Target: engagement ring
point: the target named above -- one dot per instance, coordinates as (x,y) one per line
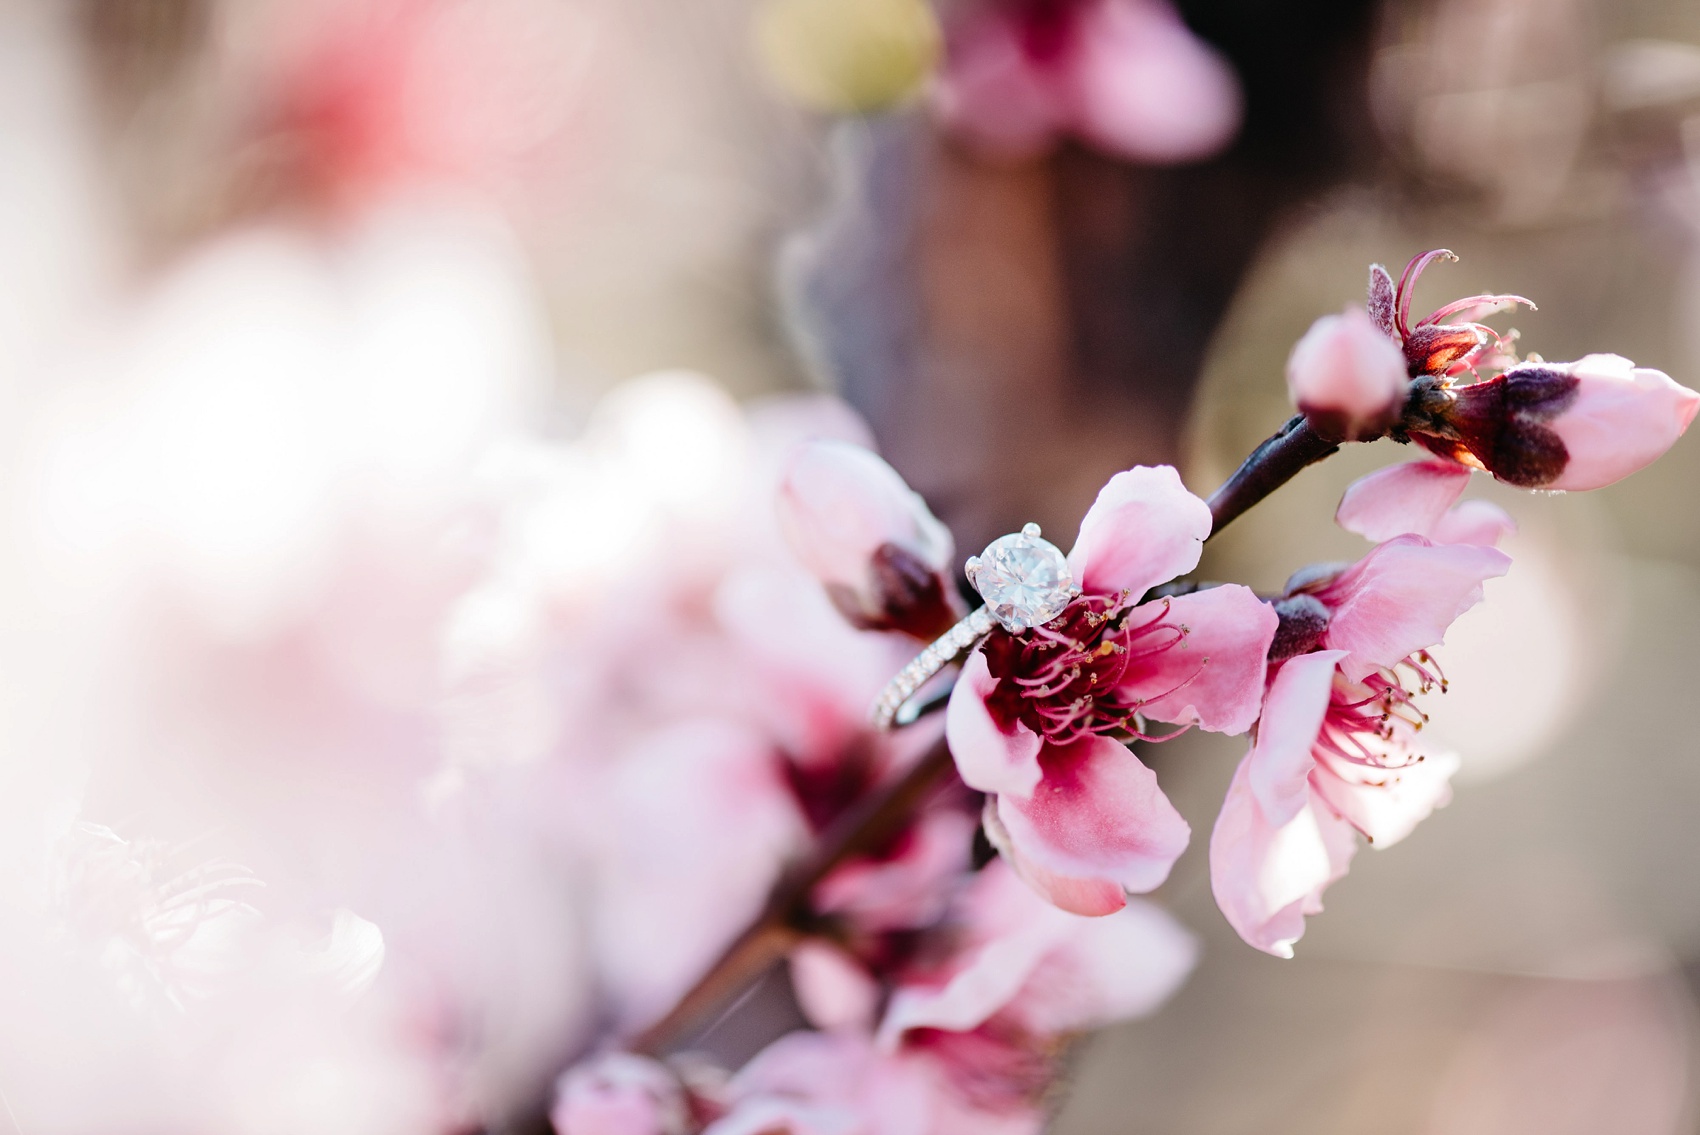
(1025,581)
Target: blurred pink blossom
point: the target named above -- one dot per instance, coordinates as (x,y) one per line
(970,1039)
(884,558)
(1125,76)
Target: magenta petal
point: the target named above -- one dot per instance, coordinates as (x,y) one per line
(1278,767)
(1267,877)
(1402,597)
(1098,815)
(1145,528)
(987,757)
(1408,497)
(1214,676)
(1624,417)
(1145,88)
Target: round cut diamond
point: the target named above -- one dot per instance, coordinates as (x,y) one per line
(1024,580)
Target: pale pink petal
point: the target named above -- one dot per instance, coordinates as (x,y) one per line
(833,989)
(1278,767)
(1402,597)
(1145,528)
(1412,496)
(1623,418)
(1145,88)
(908,889)
(1347,376)
(1090,898)
(1106,970)
(839,504)
(1474,522)
(988,758)
(618,1094)
(991,94)
(837,1083)
(1213,677)
(1050,971)
(1097,815)
(1268,877)
(1387,804)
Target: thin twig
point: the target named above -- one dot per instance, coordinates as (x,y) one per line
(1271,465)
(876,819)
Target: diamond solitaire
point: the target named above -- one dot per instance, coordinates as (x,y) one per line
(1025,581)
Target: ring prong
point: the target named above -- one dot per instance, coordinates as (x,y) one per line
(1030,529)
(971,567)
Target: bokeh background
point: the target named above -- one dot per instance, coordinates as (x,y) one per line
(268,270)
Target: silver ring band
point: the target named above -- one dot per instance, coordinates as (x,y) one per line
(948,647)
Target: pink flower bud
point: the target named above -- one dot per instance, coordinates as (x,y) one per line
(1347,377)
(870,538)
(1580,425)
(1624,417)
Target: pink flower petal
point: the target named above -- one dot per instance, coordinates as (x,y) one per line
(908,889)
(1409,497)
(987,758)
(1097,815)
(1402,597)
(1347,376)
(1267,877)
(618,1094)
(1051,971)
(1386,805)
(1105,970)
(1145,88)
(1278,766)
(991,94)
(833,989)
(1623,418)
(1214,677)
(1090,898)
(1145,528)
(840,504)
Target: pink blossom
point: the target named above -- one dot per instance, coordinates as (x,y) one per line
(1026,967)
(870,538)
(1421,497)
(620,1094)
(1032,715)
(969,1043)
(1347,377)
(1580,425)
(1336,750)
(1126,76)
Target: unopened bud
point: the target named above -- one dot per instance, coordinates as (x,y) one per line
(1580,425)
(1347,377)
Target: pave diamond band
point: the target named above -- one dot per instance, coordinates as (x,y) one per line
(945,650)
(1025,581)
